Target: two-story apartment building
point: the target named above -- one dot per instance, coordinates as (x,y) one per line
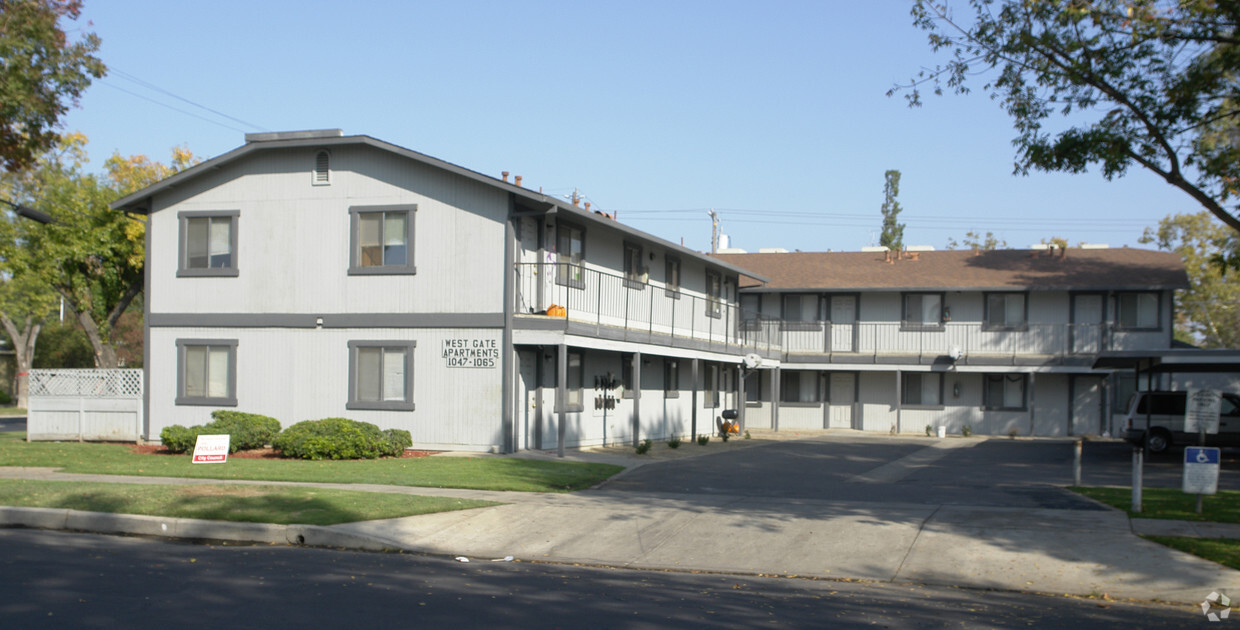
(1000,341)
(310,274)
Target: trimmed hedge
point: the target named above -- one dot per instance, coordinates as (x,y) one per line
(341,438)
(246,431)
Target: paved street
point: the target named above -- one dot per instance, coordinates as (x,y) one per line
(60,580)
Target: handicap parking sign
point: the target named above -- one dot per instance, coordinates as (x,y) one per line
(1201,470)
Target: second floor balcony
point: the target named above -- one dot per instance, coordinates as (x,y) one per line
(615,306)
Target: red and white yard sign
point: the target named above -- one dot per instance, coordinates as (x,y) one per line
(211,449)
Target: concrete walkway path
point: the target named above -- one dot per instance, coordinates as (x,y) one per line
(1076,552)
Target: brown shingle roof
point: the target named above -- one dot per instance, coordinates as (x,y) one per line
(1077,269)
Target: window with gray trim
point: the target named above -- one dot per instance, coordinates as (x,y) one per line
(923,311)
(381,375)
(635,274)
(1006,311)
(801,386)
(1137,310)
(710,385)
(570,255)
(671,278)
(382,240)
(923,389)
(208,243)
(1005,392)
(714,294)
(671,378)
(575,379)
(207,372)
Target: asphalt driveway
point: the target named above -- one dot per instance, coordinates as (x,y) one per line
(974,472)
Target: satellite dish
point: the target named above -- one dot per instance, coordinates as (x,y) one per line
(751,360)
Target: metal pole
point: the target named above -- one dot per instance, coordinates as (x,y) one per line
(1138,462)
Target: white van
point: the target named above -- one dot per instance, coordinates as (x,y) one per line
(1164,412)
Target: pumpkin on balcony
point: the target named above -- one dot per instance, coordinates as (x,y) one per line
(557,311)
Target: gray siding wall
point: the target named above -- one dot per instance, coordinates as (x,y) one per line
(294,239)
(303,374)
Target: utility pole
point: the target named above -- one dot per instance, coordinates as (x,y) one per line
(714,231)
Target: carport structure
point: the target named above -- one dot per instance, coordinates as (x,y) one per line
(1170,362)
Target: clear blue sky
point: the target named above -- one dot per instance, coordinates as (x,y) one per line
(773,113)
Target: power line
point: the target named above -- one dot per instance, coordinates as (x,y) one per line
(175,109)
(151,86)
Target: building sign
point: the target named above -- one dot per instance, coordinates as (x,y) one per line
(471,353)
(1201,409)
(1200,470)
(211,449)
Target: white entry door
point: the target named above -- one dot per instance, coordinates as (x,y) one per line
(843,393)
(843,323)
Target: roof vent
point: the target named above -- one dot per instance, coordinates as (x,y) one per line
(874,249)
(919,248)
(772,250)
(322,168)
(293,135)
(1095,246)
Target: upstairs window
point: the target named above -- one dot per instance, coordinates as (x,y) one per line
(714,294)
(800,311)
(634,271)
(1006,311)
(570,255)
(1137,311)
(382,240)
(923,311)
(671,278)
(208,243)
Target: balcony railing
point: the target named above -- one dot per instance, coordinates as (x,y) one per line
(964,339)
(630,308)
(633,309)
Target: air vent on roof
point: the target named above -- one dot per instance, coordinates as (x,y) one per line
(772,250)
(293,135)
(874,248)
(322,168)
(919,248)
(1095,246)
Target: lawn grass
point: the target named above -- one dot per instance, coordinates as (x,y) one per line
(1225,551)
(225,502)
(1171,504)
(475,473)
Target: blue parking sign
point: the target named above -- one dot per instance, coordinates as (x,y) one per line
(1201,455)
(1201,470)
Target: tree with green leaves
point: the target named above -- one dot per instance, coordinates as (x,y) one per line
(892,236)
(1208,312)
(973,240)
(1146,83)
(91,256)
(24,306)
(42,73)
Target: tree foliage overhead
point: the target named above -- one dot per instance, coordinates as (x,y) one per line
(1152,83)
(1208,312)
(91,255)
(42,73)
(892,236)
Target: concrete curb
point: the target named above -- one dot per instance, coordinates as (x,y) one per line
(189,528)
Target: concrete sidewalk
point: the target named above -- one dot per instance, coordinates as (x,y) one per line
(1077,552)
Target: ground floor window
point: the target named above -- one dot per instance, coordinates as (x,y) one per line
(575,380)
(710,386)
(922,388)
(381,375)
(207,372)
(1005,391)
(671,378)
(800,386)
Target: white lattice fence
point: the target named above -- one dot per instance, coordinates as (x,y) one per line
(92,405)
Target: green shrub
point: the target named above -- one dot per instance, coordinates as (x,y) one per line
(179,439)
(643,447)
(246,430)
(966,430)
(703,440)
(340,438)
(673,443)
